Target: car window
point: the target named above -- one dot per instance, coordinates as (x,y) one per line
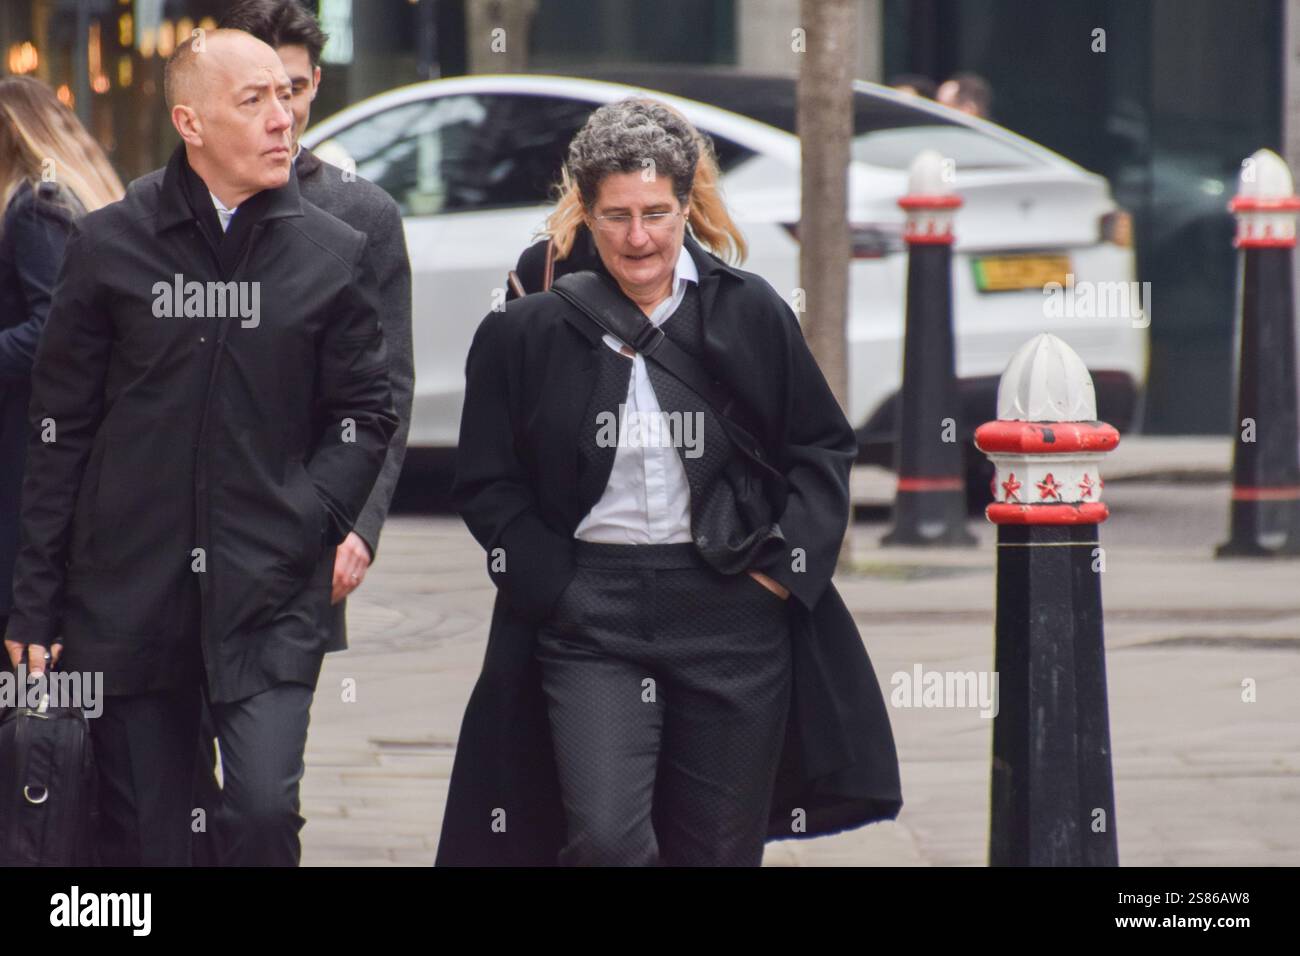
(473,151)
(730,153)
(406,149)
(464,152)
(970,149)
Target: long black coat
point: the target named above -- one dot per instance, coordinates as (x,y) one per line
(204,466)
(35,230)
(528,381)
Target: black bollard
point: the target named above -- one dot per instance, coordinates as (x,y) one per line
(1265,509)
(1052,799)
(930,500)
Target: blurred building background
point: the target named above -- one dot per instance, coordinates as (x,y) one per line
(1181,92)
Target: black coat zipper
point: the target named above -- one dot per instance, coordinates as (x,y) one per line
(203,459)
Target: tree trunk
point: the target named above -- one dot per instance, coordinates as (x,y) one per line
(497,35)
(825,127)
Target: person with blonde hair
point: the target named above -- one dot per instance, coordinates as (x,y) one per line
(51,172)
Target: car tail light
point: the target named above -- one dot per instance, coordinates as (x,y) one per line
(869,240)
(1117,227)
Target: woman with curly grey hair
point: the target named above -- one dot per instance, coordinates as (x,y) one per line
(658,473)
(570,248)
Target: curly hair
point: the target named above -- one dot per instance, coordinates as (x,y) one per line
(629,136)
(621,137)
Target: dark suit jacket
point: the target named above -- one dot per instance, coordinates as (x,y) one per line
(371,211)
(528,381)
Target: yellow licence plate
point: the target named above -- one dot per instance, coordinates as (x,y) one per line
(1007,273)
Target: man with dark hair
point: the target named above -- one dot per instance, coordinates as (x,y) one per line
(214,371)
(282,23)
(298,40)
(967,92)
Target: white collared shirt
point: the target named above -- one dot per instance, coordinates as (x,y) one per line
(647,499)
(223,213)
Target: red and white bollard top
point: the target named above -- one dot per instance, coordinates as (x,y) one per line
(1047,444)
(1265,204)
(930,201)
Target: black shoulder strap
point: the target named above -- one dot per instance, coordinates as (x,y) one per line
(596,297)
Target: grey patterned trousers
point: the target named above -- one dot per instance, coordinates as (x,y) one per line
(668,688)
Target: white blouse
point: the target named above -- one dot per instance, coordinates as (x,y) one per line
(647,499)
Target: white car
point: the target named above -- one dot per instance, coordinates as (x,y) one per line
(470,161)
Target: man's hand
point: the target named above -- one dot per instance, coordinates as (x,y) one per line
(35,656)
(779,590)
(350,565)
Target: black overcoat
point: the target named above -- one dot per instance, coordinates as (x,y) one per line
(191,469)
(528,381)
(371,211)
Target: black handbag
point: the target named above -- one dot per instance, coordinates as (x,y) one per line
(737,530)
(47,783)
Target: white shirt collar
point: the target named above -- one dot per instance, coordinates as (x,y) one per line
(686,268)
(683,273)
(223,212)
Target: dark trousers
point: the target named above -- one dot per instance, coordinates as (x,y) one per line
(144,748)
(668,689)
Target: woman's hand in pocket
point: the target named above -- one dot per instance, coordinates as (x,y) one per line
(776,588)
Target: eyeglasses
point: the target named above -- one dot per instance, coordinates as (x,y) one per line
(651,222)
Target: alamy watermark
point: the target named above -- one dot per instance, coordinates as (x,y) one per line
(922,688)
(1098,300)
(635,429)
(84,689)
(208,300)
(133,911)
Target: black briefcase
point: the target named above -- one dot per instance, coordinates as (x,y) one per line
(47,783)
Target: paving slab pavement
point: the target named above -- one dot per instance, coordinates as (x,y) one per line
(1201,777)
